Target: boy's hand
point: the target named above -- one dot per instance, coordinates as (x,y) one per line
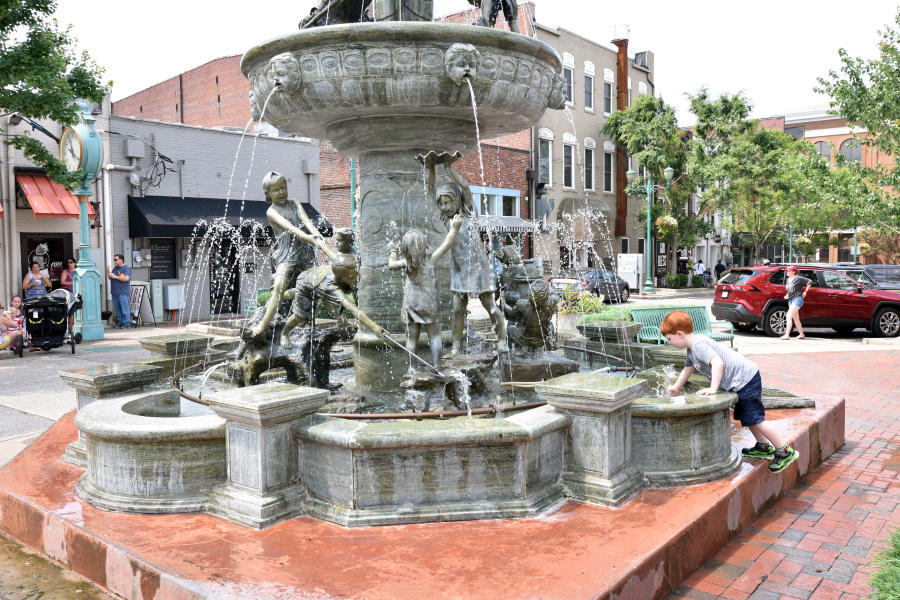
(710,391)
(674,390)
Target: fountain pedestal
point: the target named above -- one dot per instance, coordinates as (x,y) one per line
(262,487)
(599,467)
(101,382)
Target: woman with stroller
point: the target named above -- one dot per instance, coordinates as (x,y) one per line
(35,283)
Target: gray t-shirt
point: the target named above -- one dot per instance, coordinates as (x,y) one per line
(738,370)
(795,285)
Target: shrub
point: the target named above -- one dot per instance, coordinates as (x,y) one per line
(676,280)
(608,313)
(886,579)
(262,298)
(583,302)
(697,281)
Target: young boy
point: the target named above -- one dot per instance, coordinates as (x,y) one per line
(730,371)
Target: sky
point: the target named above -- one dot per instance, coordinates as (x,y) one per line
(773,51)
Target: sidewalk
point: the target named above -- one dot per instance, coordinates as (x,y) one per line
(816,544)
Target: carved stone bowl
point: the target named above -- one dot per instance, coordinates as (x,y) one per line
(395,86)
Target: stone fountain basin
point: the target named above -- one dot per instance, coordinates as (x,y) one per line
(145,457)
(356,79)
(381,473)
(684,443)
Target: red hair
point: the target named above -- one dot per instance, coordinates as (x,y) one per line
(677,320)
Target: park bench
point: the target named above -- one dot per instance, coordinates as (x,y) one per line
(651,319)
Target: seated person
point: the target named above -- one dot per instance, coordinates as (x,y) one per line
(9,337)
(14,312)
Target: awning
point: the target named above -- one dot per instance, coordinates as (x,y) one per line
(173,216)
(48,199)
(506,224)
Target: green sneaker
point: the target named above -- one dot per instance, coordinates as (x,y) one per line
(760,450)
(782,459)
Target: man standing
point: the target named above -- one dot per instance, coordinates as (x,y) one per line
(720,268)
(120,290)
(699,269)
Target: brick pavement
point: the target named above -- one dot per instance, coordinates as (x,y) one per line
(817,541)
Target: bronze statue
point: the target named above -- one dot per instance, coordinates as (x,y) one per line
(471,271)
(491,8)
(528,303)
(335,12)
(421,300)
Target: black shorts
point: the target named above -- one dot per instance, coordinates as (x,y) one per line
(749,409)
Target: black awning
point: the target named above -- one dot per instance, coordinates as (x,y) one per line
(173,216)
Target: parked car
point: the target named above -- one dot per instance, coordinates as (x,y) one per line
(884,277)
(612,287)
(754,296)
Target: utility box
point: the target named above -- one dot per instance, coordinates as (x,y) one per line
(173,296)
(630,267)
(156,299)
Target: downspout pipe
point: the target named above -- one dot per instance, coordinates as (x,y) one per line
(9,194)
(107,209)
(621,161)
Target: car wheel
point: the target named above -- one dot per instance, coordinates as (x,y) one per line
(844,330)
(745,327)
(624,295)
(775,321)
(887,322)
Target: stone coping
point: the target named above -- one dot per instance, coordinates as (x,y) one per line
(108,419)
(267,403)
(693,405)
(431,432)
(176,343)
(590,386)
(110,377)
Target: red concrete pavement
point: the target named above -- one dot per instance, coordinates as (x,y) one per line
(817,541)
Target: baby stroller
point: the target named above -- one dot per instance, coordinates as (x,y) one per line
(46,322)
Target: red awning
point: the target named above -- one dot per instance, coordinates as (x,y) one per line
(48,199)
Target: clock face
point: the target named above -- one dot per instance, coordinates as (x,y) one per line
(71,149)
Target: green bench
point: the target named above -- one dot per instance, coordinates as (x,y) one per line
(651,319)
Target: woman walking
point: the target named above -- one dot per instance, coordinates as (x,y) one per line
(796,287)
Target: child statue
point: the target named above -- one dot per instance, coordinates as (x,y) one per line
(471,271)
(490,10)
(421,301)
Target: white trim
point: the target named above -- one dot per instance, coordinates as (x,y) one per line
(589,68)
(569,138)
(545,133)
(609,76)
(612,172)
(612,98)
(642,88)
(589,107)
(590,143)
(629,83)
(814,133)
(479,191)
(549,182)
(608,146)
(568,60)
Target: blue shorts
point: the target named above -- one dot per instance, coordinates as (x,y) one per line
(798,301)
(749,409)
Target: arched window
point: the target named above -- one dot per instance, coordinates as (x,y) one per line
(824,148)
(851,150)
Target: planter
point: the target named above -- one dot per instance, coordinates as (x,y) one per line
(610,331)
(567,323)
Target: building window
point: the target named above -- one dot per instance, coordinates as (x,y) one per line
(607,97)
(588,92)
(640,246)
(824,149)
(629,91)
(499,202)
(607,172)
(545,175)
(568,166)
(624,245)
(589,169)
(851,150)
(567,73)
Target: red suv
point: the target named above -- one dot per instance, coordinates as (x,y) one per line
(751,296)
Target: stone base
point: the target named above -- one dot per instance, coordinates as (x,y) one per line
(259,512)
(591,487)
(541,502)
(548,366)
(692,476)
(99,498)
(76,454)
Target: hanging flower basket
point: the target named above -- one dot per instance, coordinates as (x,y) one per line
(666,223)
(802,240)
(863,248)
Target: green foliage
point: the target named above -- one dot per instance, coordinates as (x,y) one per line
(608,313)
(886,579)
(583,302)
(262,298)
(697,280)
(865,92)
(41,74)
(676,280)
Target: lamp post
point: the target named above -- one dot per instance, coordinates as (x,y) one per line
(668,172)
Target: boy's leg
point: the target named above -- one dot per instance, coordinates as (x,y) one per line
(434,341)
(458,322)
(412,340)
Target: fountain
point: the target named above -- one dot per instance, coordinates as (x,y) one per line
(405,98)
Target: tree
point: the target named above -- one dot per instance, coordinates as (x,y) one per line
(865,92)
(649,132)
(40,76)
